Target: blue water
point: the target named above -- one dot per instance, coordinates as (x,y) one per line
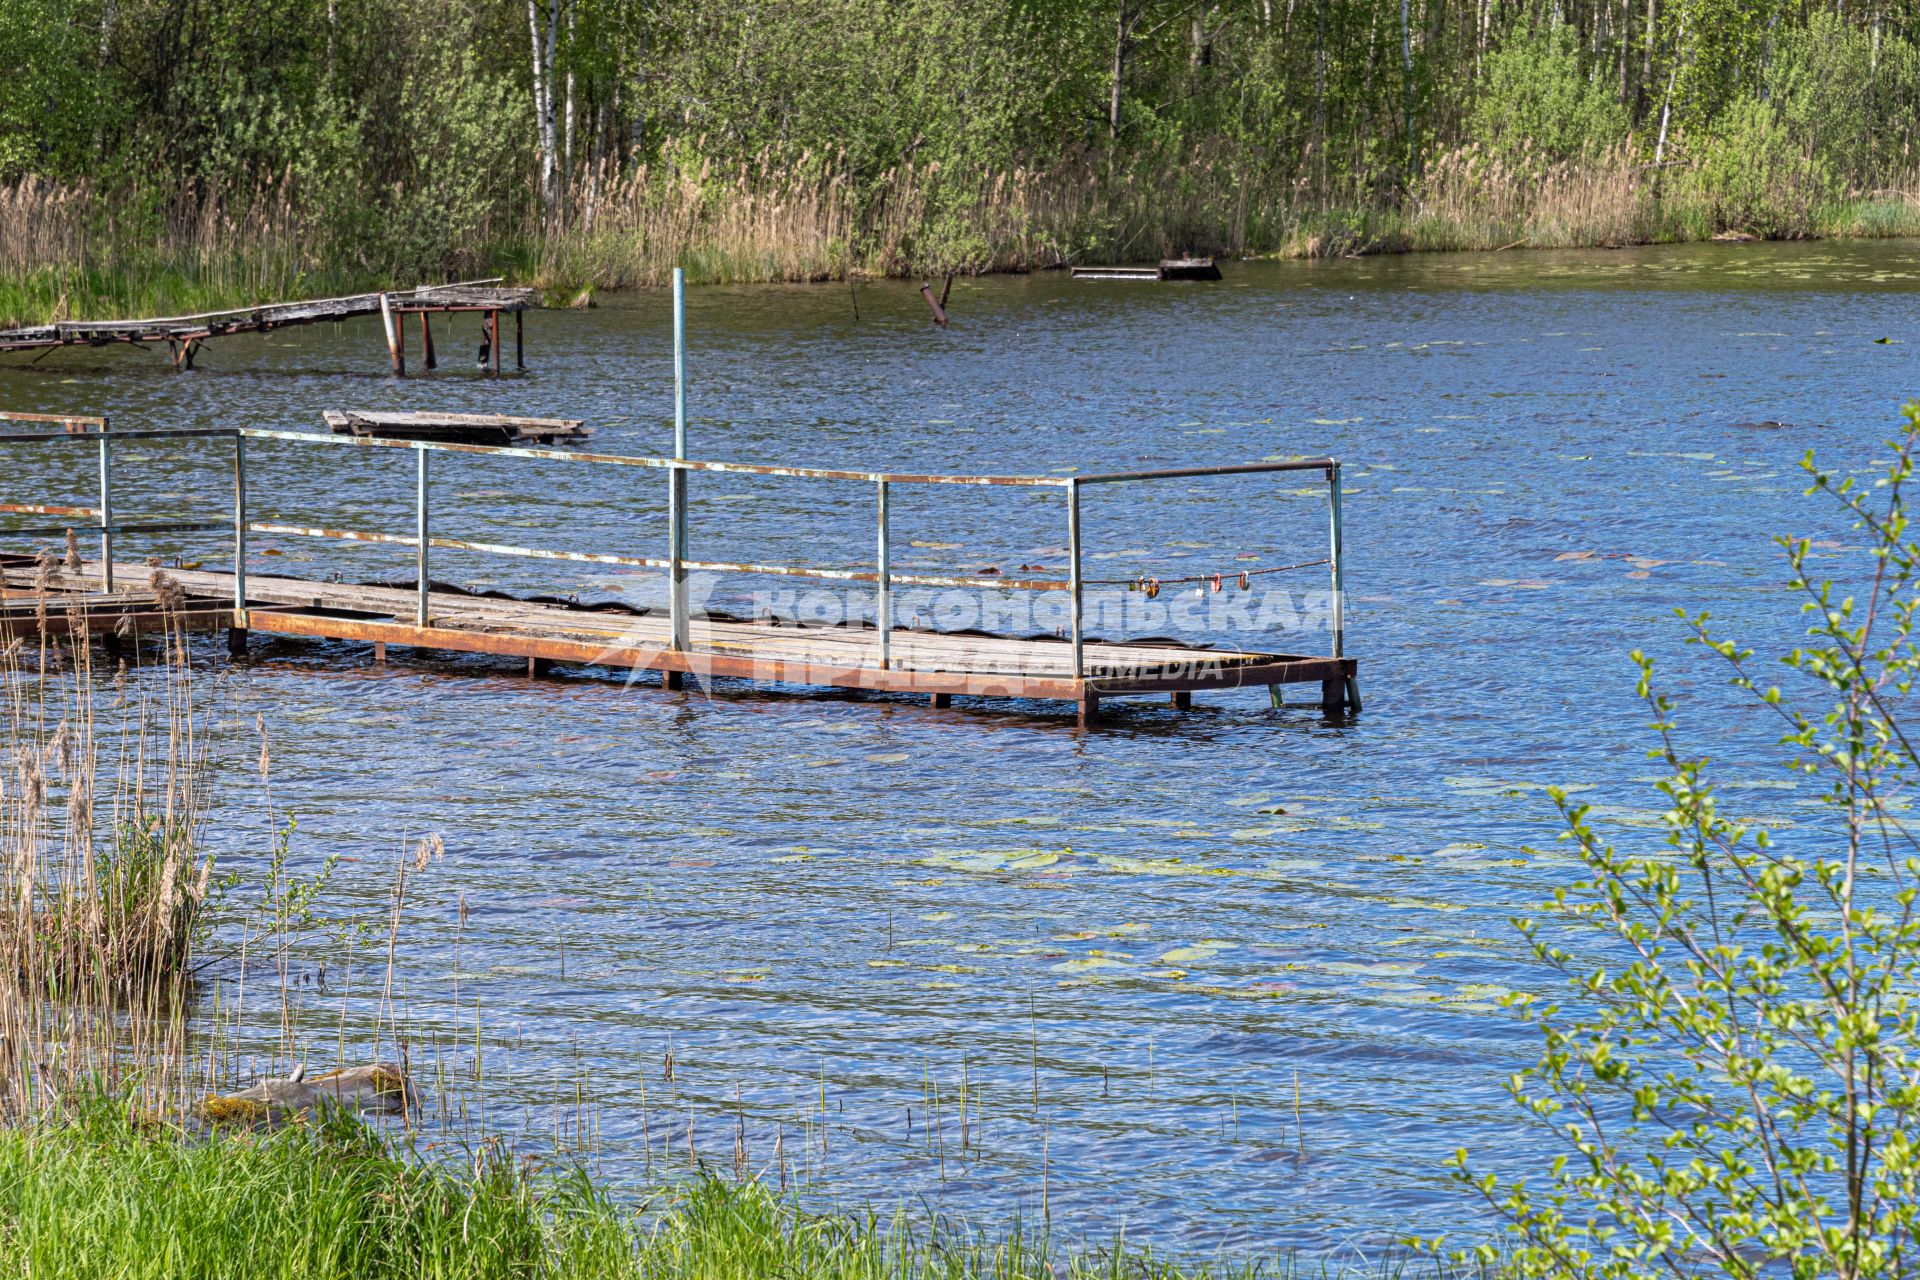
(1130,943)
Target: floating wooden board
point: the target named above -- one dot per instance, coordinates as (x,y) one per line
(458,428)
(1169,269)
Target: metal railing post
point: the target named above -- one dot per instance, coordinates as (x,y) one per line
(1335,554)
(106,510)
(884,610)
(420,534)
(677,477)
(239,528)
(1073,551)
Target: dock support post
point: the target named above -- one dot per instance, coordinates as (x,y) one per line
(393,344)
(538,667)
(519,340)
(883,610)
(677,479)
(236,642)
(940,701)
(1333,696)
(1089,710)
(106,510)
(1182,701)
(420,537)
(426,342)
(1073,552)
(493,325)
(380,653)
(239,530)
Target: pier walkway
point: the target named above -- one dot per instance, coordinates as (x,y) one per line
(184,334)
(101,595)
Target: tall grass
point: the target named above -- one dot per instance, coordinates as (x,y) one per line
(98,1192)
(102,881)
(77,252)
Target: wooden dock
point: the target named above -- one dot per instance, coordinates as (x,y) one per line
(183,335)
(937,665)
(111,597)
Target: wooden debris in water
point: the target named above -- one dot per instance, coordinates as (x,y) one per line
(1169,269)
(457,428)
(379,1087)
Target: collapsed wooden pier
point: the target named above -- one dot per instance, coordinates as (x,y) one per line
(104,596)
(183,335)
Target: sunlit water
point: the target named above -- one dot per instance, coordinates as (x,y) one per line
(1130,943)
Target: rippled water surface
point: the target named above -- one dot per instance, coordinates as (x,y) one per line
(1130,944)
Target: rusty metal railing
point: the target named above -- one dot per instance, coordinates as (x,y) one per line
(677,562)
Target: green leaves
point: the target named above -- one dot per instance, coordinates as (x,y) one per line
(1736,1074)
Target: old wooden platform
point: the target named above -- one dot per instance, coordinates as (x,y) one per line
(464,428)
(106,595)
(184,334)
(935,664)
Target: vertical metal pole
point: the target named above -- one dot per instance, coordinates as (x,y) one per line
(884,611)
(239,528)
(1336,554)
(1073,551)
(393,348)
(420,516)
(106,511)
(677,486)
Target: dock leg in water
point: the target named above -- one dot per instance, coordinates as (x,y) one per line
(380,652)
(940,701)
(1333,696)
(1353,693)
(1182,701)
(538,667)
(426,341)
(1089,710)
(673,680)
(237,641)
(519,340)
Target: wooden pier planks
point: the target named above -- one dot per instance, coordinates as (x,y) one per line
(183,334)
(459,428)
(924,662)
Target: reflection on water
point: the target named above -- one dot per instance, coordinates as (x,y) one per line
(1127,946)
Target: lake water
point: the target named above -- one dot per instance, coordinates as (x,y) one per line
(1130,943)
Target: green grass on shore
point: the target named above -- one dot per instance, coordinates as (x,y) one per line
(97,1194)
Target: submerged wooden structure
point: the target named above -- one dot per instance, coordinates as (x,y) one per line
(183,335)
(103,595)
(1169,269)
(463,428)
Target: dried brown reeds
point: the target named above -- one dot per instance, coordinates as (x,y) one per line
(103,885)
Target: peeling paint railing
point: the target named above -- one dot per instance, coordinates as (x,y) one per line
(677,562)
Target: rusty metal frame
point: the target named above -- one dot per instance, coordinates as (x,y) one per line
(677,563)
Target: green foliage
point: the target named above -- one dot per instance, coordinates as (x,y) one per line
(1755,178)
(1537,102)
(1843,98)
(373,142)
(1735,1077)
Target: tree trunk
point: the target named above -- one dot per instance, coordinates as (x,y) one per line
(1406,85)
(1121,30)
(1646,57)
(542,115)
